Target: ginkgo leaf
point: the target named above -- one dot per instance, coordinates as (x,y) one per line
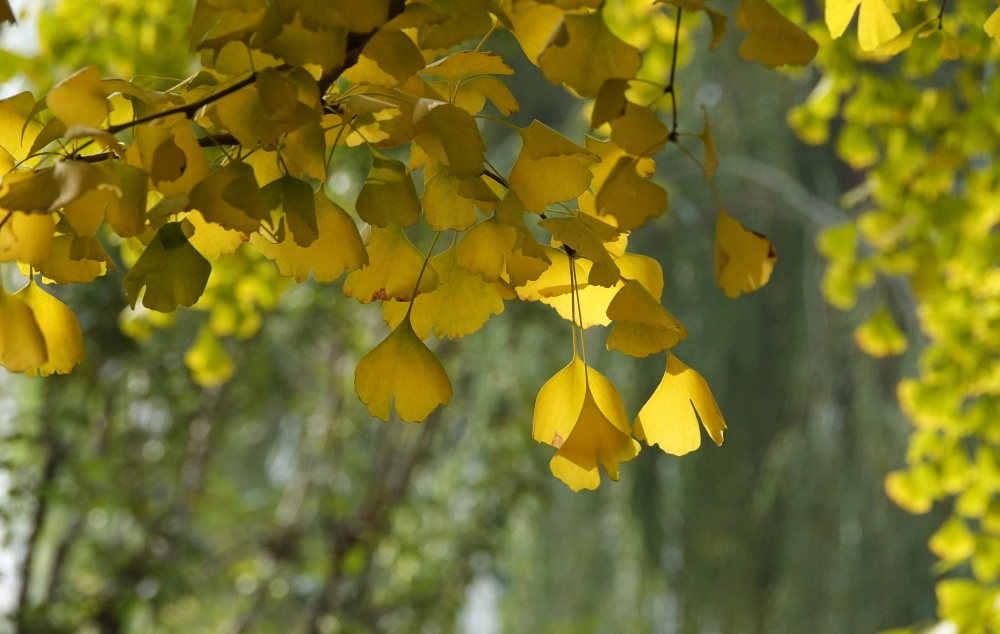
(79,99)
(876,24)
(18,129)
(644,326)
(628,197)
(772,39)
(744,259)
(170,269)
(29,191)
(388,195)
(468,64)
(556,279)
(75,179)
(583,53)
(230,198)
(880,336)
(126,211)
(609,103)
(26,237)
(402,371)
(593,301)
(338,247)
(62,268)
(484,248)
(583,240)
(580,412)
(718,20)
(170,154)
(21,343)
(549,169)
(534,24)
(60,330)
(490,88)
(460,305)
(992,24)
(297,202)
(392,271)
(210,239)
(450,201)
(639,131)
(670,417)
(463,19)
(208,361)
(389,58)
(450,135)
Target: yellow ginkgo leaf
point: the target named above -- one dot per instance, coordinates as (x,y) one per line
(79,99)
(450,135)
(550,168)
(208,361)
(992,24)
(393,269)
(639,131)
(403,369)
(772,39)
(484,248)
(450,200)
(460,305)
(593,301)
(62,268)
(126,211)
(389,58)
(487,87)
(583,53)
(467,64)
(556,279)
(644,326)
(210,239)
(744,259)
(60,330)
(26,237)
(170,154)
(21,343)
(580,412)
(338,247)
(229,197)
(669,418)
(296,201)
(581,238)
(628,197)
(876,24)
(18,128)
(880,336)
(388,194)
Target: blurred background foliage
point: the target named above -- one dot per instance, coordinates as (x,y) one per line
(137,500)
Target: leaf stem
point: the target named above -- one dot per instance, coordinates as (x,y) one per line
(420,276)
(940,15)
(673,72)
(572,299)
(496,120)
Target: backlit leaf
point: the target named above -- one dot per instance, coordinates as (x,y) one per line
(170,269)
(879,336)
(402,371)
(644,326)
(744,259)
(208,361)
(549,169)
(21,343)
(460,305)
(338,247)
(669,419)
(393,268)
(772,39)
(60,330)
(583,53)
(388,194)
(79,99)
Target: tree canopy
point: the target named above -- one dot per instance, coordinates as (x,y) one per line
(214,192)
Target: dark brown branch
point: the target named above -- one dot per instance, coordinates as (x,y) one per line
(213,140)
(673,73)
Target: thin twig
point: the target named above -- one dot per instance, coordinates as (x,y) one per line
(673,73)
